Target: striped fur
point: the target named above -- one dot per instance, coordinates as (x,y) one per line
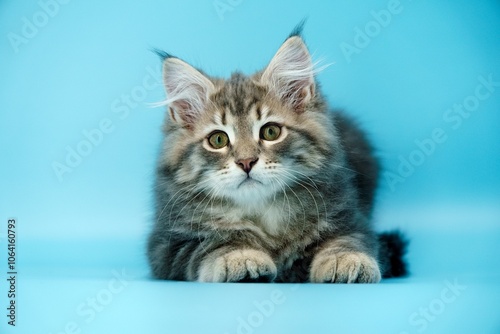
(300,214)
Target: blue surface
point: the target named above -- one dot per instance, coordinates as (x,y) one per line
(81,232)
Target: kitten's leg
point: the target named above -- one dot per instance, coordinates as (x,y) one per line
(170,257)
(229,264)
(345,259)
(210,261)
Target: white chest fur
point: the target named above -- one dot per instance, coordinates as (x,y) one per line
(271,218)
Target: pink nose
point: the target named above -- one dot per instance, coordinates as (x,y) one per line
(247,164)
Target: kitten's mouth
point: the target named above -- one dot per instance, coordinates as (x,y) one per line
(249,181)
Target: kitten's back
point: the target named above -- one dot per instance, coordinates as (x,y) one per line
(360,158)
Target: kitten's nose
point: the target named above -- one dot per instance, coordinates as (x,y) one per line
(247,164)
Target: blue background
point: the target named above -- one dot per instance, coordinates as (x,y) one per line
(68,68)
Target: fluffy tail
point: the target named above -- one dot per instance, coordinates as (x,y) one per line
(391,254)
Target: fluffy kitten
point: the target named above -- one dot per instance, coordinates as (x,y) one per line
(258,181)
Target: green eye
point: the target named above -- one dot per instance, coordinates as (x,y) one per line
(270,132)
(218,140)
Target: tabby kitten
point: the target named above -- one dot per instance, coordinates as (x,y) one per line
(258,181)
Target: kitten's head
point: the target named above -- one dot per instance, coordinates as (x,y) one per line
(246,138)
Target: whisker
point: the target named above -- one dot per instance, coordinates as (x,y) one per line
(286,201)
(289,176)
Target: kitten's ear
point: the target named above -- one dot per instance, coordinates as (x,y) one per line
(187,90)
(290,74)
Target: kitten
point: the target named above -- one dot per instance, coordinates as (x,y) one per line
(258,181)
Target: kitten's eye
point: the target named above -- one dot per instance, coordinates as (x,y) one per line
(270,132)
(218,140)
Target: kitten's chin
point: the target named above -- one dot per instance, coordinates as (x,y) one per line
(250,192)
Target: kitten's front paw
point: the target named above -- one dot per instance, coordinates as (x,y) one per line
(244,265)
(345,267)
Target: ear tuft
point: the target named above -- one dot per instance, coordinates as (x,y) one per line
(297,31)
(187,89)
(162,54)
(290,74)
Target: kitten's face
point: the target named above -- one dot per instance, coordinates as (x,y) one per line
(248,138)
